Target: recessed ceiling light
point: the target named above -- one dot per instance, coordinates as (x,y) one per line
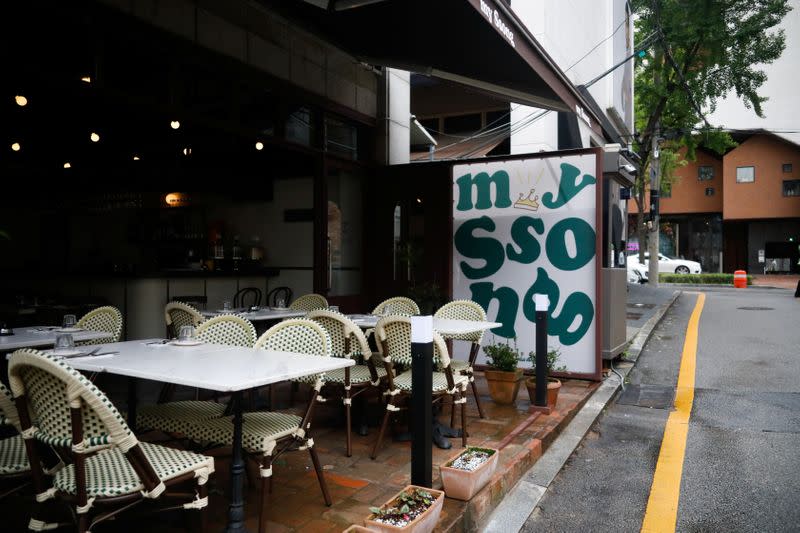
(419,200)
(259,145)
(67,165)
(94,137)
(86,79)
(175,124)
(136,158)
(21,100)
(16,147)
(187,151)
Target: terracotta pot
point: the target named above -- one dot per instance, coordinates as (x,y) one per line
(424,523)
(464,484)
(553,386)
(503,386)
(355,528)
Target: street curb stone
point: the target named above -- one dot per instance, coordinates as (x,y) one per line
(520,502)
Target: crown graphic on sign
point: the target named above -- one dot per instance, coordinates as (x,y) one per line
(530,202)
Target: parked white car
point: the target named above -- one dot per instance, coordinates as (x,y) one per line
(637,273)
(668,265)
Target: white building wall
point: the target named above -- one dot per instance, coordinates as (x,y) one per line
(577,34)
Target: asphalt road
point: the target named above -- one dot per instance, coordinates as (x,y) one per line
(741,471)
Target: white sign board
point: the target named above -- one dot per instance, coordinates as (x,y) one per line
(524,227)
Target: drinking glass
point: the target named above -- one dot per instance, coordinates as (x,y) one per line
(226,305)
(64,343)
(186,333)
(69,321)
(334,308)
(280,302)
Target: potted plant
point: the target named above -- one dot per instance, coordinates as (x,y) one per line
(553,384)
(467,473)
(414,509)
(503,376)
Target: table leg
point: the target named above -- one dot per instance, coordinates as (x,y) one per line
(133,399)
(236,507)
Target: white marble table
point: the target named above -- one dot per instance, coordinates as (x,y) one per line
(43,336)
(210,366)
(263,314)
(445,326)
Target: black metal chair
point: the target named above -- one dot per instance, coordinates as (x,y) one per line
(247,297)
(279,292)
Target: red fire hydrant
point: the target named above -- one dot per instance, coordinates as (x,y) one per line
(740,279)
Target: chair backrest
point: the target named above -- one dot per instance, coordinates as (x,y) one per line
(299,335)
(196,299)
(70,412)
(227,329)
(309,302)
(107,319)
(8,411)
(277,293)
(393,336)
(464,310)
(177,314)
(347,338)
(247,297)
(400,305)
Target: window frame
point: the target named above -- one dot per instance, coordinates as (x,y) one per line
(752,180)
(700,176)
(784,188)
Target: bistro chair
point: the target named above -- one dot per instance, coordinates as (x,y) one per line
(397,305)
(270,434)
(14,466)
(309,302)
(176,417)
(284,293)
(110,468)
(348,341)
(393,335)
(177,314)
(247,297)
(107,319)
(466,310)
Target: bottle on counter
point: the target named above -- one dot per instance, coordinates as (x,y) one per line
(236,252)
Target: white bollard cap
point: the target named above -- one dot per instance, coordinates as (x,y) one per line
(422,329)
(542,302)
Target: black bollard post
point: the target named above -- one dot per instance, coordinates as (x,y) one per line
(421,398)
(540,403)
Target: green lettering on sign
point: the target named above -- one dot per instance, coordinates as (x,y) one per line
(577,305)
(486,248)
(482,182)
(522,237)
(483,293)
(568,187)
(556,244)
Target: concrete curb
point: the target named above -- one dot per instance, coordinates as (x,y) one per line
(522,499)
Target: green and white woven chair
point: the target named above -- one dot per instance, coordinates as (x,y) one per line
(178,416)
(107,319)
(466,310)
(393,334)
(110,465)
(309,302)
(348,341)
(270,434)
(177,314)
(14,466)
(397,305)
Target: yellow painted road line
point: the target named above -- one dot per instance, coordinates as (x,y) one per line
(662,505)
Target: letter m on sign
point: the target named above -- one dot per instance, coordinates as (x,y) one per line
(481,183)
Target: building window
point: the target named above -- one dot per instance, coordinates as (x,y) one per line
(705,173)
(787,167)
(745,174)
(791,187)
(709,191)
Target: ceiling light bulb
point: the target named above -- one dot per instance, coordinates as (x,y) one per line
(67,165)
(259,145)
(175,124)
(16,147)
(21,100)
(187,151)
(419,200)
(86,79)
(94,137)
(136,158)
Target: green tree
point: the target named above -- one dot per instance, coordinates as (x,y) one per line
(701,51)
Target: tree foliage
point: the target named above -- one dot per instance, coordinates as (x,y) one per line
(701,51)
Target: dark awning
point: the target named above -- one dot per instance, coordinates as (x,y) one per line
(480,43)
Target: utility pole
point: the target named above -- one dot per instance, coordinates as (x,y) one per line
(655,185)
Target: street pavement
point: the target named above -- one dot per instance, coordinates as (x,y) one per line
(740,471)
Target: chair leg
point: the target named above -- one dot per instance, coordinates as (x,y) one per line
(348,420)
(477,398)
(202,514)
(464,420)
(266,488)
(83,523)
(452,412)
(320,476)
(385,423)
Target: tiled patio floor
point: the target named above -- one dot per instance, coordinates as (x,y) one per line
(357,482)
